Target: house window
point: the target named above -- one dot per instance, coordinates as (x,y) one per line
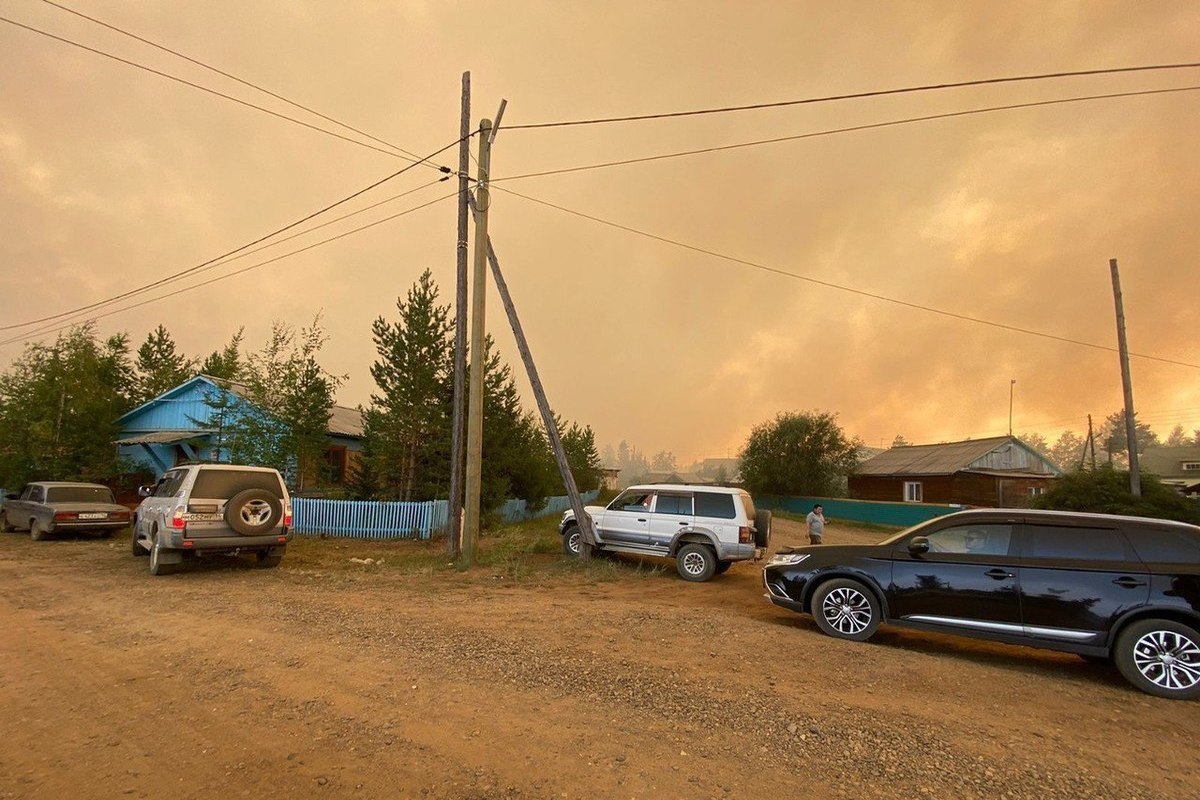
(912,492)
(1037,491)
(335,459)
(1191,466)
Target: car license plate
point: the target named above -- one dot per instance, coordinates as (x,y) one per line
(203,517)
(93,516)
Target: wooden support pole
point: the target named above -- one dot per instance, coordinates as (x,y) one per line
(1135,478)
(458,425)
(587,535)
(474,482)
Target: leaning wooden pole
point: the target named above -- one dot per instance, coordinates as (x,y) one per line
(1135,478)
(458,426)
(587,536)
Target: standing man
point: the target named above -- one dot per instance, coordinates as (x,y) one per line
(816,524)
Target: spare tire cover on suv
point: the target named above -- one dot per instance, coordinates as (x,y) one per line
(253,512)
(762,528)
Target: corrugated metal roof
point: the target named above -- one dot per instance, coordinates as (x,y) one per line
(162,437)
(346,422)
(1168,461)
(930,459)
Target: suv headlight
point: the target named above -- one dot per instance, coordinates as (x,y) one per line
(787,559)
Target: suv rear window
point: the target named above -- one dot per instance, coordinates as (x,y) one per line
(78,494)
(1083,544)
(222,484)
(717,506)
(1166,547)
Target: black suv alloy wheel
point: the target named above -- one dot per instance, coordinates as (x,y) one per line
(1161,658)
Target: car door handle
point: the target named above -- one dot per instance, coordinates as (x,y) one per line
(998,574)
(683,522)
(641,519)
(1127,582)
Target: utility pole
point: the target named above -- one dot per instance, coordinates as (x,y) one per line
(1135,478)
(587,534)
(1011,383)
(457,446)
(474,482)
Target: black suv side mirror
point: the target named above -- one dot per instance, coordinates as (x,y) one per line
(145,491)
(918,545)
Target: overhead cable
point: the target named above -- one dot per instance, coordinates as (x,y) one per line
(859,95)
(848,129)
(838,286)
(110,312)
(232,77)
(183,273)
(214,92)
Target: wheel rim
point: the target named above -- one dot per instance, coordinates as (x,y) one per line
(847,610)
(1168,659)
(256,512)
(694,563)
(573,542)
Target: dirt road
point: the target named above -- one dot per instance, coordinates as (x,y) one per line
(330,679)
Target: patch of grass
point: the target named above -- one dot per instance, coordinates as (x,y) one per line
(523,553)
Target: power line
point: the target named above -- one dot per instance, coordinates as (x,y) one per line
(214,92)
(222,72)
(838,286)
(849,129)
(92,318)
(857,95)
(211,261)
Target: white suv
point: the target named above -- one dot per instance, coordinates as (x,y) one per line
(213,508)
(704,528)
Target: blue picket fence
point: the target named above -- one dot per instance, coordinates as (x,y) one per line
(367,519)
(370,519)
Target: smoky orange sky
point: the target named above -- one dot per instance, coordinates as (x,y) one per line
(111,177)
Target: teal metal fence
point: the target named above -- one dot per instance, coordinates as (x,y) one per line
(367,519)
(876,512)
(518,510)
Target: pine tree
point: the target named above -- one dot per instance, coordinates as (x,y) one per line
(59,404)
(225,363)
(407,423)
(160,366)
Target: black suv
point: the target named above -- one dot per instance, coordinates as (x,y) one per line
(1105,587)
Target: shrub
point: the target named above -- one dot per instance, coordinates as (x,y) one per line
(1106,491)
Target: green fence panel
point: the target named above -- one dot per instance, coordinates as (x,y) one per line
(875,512)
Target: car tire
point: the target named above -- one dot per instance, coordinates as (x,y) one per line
(846,609)
(762,528)
(135,546)
(1161,657)
(265,560)
(156,566)
(36,532)
(723,567)
(253,512)
(572,540)
(696,562)
(5,525)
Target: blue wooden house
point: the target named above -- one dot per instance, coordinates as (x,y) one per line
(177,426)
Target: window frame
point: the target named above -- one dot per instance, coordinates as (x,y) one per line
(920,491)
